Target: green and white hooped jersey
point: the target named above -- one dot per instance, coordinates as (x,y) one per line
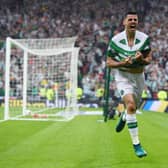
(119,50)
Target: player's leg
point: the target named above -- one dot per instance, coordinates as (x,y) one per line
(124,87)
(128,91)
(132,124)
(131,117)
(130,87)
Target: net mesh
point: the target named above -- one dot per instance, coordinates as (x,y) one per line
(50,78)
(48,44)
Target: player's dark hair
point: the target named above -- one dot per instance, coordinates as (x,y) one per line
(131,13)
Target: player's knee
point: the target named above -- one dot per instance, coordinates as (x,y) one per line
(131,107)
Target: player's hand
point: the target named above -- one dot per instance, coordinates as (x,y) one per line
(109,61)
(128,61)
(139,56)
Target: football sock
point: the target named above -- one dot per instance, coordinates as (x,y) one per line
(132,127)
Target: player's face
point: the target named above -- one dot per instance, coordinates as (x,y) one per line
(131,23)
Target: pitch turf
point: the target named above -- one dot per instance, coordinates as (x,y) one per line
(84,142)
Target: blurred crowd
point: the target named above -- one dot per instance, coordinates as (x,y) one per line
(94,22)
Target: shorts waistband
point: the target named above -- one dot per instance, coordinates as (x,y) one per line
(134,71)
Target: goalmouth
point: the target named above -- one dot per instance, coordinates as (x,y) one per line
(41,79)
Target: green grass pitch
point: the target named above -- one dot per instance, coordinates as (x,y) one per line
(84,142)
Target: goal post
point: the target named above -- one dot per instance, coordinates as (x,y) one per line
(41,79)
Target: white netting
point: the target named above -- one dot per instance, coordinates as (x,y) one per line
(42,78)
(47,43)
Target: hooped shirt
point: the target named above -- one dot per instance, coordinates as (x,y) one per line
(119,49)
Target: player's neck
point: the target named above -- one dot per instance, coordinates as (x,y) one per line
(130,35)
(130,38)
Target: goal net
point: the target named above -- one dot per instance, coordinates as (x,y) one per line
(41,79)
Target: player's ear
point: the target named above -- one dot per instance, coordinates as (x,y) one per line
(124,21)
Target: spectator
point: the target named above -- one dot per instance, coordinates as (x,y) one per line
(94,22)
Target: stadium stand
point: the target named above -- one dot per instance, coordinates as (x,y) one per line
(94,22)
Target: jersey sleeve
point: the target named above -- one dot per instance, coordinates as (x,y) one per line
(111,52)
(146,47)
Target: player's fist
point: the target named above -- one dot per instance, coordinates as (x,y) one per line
(128,60)
(139,56)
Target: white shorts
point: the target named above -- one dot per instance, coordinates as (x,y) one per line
(130,83)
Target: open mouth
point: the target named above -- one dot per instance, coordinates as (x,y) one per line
(133,26)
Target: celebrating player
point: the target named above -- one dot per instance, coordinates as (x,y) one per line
(129,52)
